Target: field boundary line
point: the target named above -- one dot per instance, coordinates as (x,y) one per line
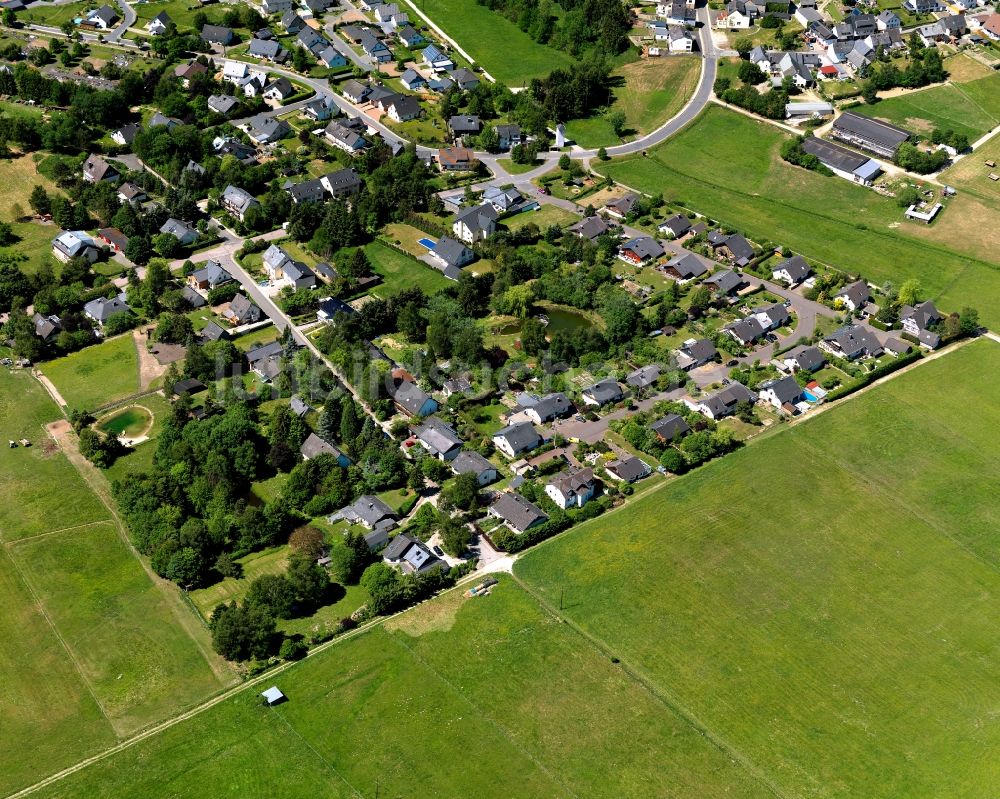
(315,751)
(63,642)
(483,714)
(14,543)
(661,695)
(972,100)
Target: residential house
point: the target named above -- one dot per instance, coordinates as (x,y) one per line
(237,201)
(409,36)
(803,358)
(572,488)
(464,125)
(475,223)
(516,512)
(331,58)
(640,250)
(724,282)
(991,27)
(267,49)
(314,446)
(644,377)
(549,407)
(222,103)
(916,319)
(437,60)
(450,255)
(330,307)
(734,247)
(685,267)
(923,6)
(464,78)
(96,170)
(114,238)
(277,7)
(773,316)
(897,347)
(792,270)
(298,276)
(130,193)
(292,22)
(413,400)
(738,15)
(509,136)
(185,72)
(870,134)
(622,206)
(413,80)
(471,462)
(311,40)
(158,120)
(723,402)
(217,34)
(375,49)
(241,311)
(602,392)
(159,24)
(410,555)
(265,360)
(888,20)
(125,135)
(264,129)
(745,331)
(675,226)
(402,108)
(103,18)
(345,137)
(321,108)
(456,385)
(356,91)
(438,439)
(696,352)
(369,511)
(514,439)
(456,159)
(210,276)
(851,342)
(192,298)
(181,231)
(102,309)
(590,228)
(212,332)
(279,90)
(628,470)
(46,326)
(504,200)
(854,296)
(783,392)
(671,427)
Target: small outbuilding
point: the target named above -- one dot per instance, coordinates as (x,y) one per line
(272,696)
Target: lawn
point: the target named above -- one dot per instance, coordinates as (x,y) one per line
(653,91)
(971,175)
(57,15)
(517,169)
(484,697)
(728,166)
(496,43)
(839,631)
(21,176)
(400,271)
(96,375)
(140,459)
(544,217)
(962,68)
(182,12)
(972,108)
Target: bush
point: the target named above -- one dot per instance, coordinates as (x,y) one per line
(293,649)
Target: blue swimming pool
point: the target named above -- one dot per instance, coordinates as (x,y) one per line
(810,396)
(428,243)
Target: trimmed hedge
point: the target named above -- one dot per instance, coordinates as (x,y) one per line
(871,377)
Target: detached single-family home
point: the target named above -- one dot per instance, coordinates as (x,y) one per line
(268,50)
(804,358)
(735,247)
(125,135)
(771,317)
(265,130)
(516,438)
(436,60)
(241,311)
(181,231)
(96,170)
(724,282)
(628,470)
(549,407)
(590,228)
(675,226)
(237,201)
(745,331)
(723,402)
(450,255)
(622,207)
(438,438)
(402,108)
(278,90)
(475,223)
(114,238)
(130,193)
(409,36)
(644,377)
(851,342)
(102,309)
(508,136)
(103,18)
(685,267)
(46,326)
(471,462)
(572,488)
(412,80)
(345,138)
(410,555)
(330,308)
(888,20)
(456,159)
(159,24)
(696,352)
(516,512)
(413,400)
(640,250)
(217,34)
(222,103)
(918,318)
(782,392)
(671,427)
(853,296)
(792,270)
(210,276)
(369,511)
(321,108)
(504,200)
(276,6)
(314,446)
(464,125)
(602,392)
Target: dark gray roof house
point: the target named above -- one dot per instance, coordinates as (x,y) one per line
(685,267)
(723,402)
(622,206)
(773,316)
(675,226)
(238,201)
(591,228)
(438,438)
(470,461)
(670,427)
(410,555)
(792,270)
(464,124)
(781,391)
(315,446)
(514,439)
(96,169)
(602,392)
(805,358)
(852,341)
(217,34)
(242,311)
(222,103)
(412,399)
(697,352)
(369,511)
(644,377)
(46,326)
(192,297)
(102,309)
(551,406)
(641,249)
(745,331)
(292,22)
(267,49)
(450,253)
(724,282)
(628,469)
(516,512)
(854,295)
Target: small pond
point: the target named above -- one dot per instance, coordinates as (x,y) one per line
(130,422)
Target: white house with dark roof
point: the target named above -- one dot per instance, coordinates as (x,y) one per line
(102,309)
(854,296)
(792,270)
(438,439)
(745,331)
(781,392)
(644,377)
(572,488)
(804,358)
(237,201)
(182,231)
(602,392)
(514,439)
(516,512)
(471,462)
(628,470)
(670,427)
(549,407)
(475,223)
(696,352)
(96,169)
(723,402)
(851,342)
(410,555)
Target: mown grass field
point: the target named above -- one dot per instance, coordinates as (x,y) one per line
(823,601)
(654,90)
(96,375)
(484,697)
(971,175)
(972,108)
(729,167)
(20,175)
(400,271)
(497,44)
(92,648)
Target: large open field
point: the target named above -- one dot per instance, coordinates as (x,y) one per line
(93,648)
(728,167)
(654,90)
(972,108)
(496,43)
(814,615)
(97,375)
(20,176)
(971,175)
